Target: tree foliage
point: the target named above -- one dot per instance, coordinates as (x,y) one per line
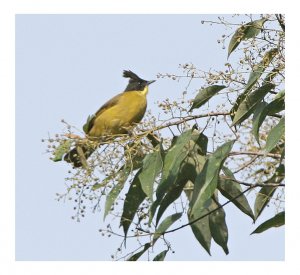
(155,185)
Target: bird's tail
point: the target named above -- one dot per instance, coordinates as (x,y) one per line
(78,155)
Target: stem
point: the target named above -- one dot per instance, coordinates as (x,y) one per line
(263,154)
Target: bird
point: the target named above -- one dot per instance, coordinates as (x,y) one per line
(114,117)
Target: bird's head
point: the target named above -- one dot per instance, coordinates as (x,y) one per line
(136,83)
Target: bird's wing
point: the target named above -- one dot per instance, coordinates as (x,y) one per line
(113,101)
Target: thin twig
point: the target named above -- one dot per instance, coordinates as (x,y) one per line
(207,214)
(280,21)
(263,154)
(246,164)
(266,184)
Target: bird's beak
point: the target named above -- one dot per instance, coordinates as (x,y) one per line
(150,82)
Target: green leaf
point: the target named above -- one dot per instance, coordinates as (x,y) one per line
(258,118)
(246,107)
(189,169)
(106,181)
(262,199)
(227,172)
(279,175)
(201,229)
(266,193)
(121,176)
(133,199)
(276,221)
(165,224)
(136,256)
(263,110)
(161,256)
(278,104)
(232,191)
(152,165)
(63,148)
(206,182)
(87,126)
(111,197)
(260,68)
(201,142)
(218,227)
(275,135)
(205,94)
(172,163)
(253,78)
(246,31)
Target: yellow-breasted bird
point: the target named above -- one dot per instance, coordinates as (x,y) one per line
(115,116)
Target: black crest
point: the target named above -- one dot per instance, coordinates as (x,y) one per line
(135,82)
(132,76)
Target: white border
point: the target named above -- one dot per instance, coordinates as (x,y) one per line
(7,87)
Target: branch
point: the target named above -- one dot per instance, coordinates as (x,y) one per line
(180,121)
(251,186)
(266,184)
(207,214)
(280,21)
(246,164)
(252,153)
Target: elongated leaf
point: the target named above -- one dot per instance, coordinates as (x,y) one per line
(136,256)
(246,31)
(228,172)
(121,177)
(230,190)
(247,106)
(190,168)
(63,148)
(276,221)
(263,110)
(262,199)
(165,224)
(218,227)
(258,118)
(266,193)
(134,198)
(111,197)
(275,135)
(152,165)
(172,162)
(278,104)
(201,229)
(260,68)
(206,182)
(254,77)
(104,182)
(205,94)
(161,256)
(201,142)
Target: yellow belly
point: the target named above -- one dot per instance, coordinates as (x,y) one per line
(129,109)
